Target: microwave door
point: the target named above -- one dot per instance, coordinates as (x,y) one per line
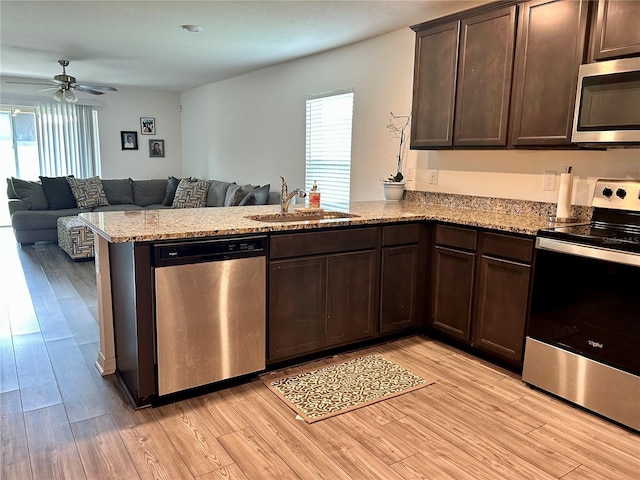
(607,107)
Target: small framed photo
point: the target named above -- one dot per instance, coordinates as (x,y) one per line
(148,125)
(156,148)
(129,140)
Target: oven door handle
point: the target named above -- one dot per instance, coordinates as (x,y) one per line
(605,254)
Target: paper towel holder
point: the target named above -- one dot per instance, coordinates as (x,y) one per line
(568,219)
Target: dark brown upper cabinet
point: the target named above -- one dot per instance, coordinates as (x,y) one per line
(462,80)
(434,86)
(549,50)
(484,79)
(615,31)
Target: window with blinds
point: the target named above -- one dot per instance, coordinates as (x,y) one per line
(328,147)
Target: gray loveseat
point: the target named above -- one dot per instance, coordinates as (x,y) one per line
(36,206)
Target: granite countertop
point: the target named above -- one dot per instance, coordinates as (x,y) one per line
(171,224)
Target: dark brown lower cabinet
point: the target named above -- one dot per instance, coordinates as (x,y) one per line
(403,276)
(453,291)
(297,307)
(320,302)
(502,294)
(350,297)
(398,307)
(481,289)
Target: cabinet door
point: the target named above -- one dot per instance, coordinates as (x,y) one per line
(551,44)
(452,292)
(350,297)
(616,32)
(399,288)
(501,307)
(484,79)
(296,307)
(434,86)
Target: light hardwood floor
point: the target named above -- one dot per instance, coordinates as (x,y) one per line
(60,419)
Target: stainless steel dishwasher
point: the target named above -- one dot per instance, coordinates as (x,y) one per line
(210,301)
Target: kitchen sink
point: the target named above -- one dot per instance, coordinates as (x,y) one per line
(300,216)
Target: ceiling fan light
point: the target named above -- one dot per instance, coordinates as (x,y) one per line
(57,95)
(70,96)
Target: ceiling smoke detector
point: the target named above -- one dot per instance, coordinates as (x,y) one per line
(191,28)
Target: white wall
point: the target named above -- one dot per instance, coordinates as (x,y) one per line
(121,111)
(251,129)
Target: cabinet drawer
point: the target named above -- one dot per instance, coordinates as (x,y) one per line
(400,234)
(506,246)
(315,243)
(464,238)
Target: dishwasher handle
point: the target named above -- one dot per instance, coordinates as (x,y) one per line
(178,253)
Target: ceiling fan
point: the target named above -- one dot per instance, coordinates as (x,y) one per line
(65,85)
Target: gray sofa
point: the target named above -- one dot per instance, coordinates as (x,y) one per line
(36,206)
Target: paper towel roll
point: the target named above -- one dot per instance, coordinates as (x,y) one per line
(564,196)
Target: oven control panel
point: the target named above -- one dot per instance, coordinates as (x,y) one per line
(617,194)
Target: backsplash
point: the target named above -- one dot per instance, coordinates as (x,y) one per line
(504,205)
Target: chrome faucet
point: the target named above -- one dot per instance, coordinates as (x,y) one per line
(286,197)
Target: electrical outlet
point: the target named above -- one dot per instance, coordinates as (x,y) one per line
(410,173)
(549,181)
(433,177)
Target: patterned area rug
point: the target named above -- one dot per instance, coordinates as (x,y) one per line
(342,387)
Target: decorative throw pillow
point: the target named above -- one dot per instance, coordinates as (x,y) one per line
(191,194)
(233,192)
(249,199)
(262,194)
(170,193)
(30,193)
(236,193)
(88,192)
(217,193)
(58,192)
(11,193)
(250,195)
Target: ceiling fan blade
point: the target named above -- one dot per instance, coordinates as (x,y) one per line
(32,83)
(84,88)
(48,89)
(99,87)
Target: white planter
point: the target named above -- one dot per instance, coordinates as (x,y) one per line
(393,191)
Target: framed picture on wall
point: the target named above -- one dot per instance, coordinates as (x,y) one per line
(129,140)
(156,148)
(148,125)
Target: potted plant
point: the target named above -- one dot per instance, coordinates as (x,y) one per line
(394,185)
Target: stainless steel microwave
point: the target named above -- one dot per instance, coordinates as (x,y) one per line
(607,111)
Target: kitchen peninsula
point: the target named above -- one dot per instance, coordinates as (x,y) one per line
(385,246)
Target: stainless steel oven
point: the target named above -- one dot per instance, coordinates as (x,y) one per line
(583,337)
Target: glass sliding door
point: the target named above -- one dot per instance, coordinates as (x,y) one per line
(18,149)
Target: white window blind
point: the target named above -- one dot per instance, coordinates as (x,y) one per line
(328,147)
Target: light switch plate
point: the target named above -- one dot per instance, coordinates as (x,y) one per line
(433,177)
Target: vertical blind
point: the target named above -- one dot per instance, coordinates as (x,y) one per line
(68,140)
(328,147)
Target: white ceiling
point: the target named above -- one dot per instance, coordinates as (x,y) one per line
(140,43)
